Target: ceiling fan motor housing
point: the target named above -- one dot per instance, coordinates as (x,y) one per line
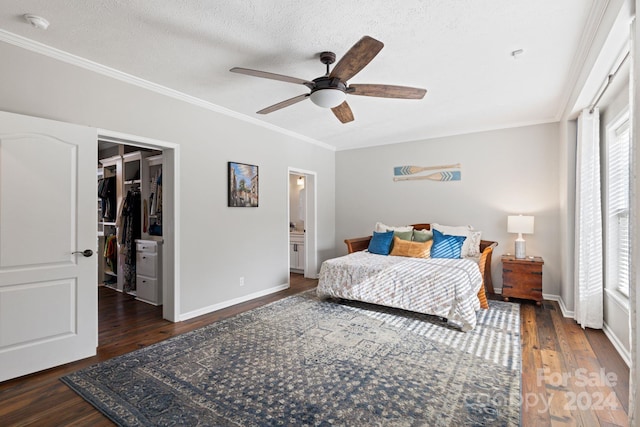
(328,83)
(328,92)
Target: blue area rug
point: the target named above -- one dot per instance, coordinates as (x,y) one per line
(305,361)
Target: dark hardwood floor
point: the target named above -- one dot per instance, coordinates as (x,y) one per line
(570,376)
(551,346)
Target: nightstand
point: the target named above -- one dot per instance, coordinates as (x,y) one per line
(522,278)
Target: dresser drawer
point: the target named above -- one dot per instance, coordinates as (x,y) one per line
(146,246)
(147,289)
(147,264)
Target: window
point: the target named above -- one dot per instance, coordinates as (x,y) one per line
(617,169)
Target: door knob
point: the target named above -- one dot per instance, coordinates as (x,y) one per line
(87,253)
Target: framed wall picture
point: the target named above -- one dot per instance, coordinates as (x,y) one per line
(243,185)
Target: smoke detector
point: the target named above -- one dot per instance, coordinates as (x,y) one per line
(37,21)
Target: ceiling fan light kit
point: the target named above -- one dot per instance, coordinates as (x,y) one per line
(328,98)
(330,90)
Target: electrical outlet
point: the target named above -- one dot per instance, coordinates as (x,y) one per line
(242,281)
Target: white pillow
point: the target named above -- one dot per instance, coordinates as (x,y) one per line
(471,245)
(381,228)
(473,239)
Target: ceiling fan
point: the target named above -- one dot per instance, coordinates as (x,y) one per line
(331,90)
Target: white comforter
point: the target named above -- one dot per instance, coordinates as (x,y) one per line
(442,287)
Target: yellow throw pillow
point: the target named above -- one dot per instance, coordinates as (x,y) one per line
(411,249)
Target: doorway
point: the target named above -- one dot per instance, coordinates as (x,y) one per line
(155,276)
(302,213)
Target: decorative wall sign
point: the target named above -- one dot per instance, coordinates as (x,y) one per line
(243,185)
(438,176)
(408,173)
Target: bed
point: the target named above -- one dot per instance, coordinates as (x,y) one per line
(453,289)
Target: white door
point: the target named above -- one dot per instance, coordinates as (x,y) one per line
(48,196)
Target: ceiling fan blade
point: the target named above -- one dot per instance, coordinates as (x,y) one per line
(283,104)
(343,112)
(356,58)
(272,76)
(387,91)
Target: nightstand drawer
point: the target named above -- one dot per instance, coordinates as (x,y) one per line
(521,292)
(522,279)
(527,269)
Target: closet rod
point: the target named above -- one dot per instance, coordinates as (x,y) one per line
(606,84)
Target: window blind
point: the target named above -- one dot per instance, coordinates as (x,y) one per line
(618,195)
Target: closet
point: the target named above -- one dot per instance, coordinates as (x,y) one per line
(130,220)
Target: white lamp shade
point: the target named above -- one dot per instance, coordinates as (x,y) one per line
(328,98)
(520,224)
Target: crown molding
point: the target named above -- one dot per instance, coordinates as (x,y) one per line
(95,67)
(601,18)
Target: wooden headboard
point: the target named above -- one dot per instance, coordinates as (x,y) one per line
(486,248)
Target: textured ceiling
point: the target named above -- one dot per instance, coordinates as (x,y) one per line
(459,50)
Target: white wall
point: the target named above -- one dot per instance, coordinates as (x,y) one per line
(504,172)
(218,244)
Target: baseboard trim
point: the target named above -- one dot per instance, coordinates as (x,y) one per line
(229,303)
(565,312)
(623,352)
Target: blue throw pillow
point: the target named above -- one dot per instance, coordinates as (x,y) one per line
(381,243)
(446,246)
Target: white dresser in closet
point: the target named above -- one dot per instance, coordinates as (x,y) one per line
(149,271)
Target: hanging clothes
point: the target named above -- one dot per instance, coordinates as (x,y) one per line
(145,216)
(155,204)
(110,252)
(107,195)
(130,226)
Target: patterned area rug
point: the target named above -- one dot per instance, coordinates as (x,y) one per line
(305,361)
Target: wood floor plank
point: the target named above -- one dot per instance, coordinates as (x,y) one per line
(547,341)
(546,329)
(590,379)
(534,411)
(603,350)
(556,393)
(582,413)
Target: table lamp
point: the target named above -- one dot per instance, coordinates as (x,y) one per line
(521,224)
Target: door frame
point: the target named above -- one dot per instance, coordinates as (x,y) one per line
(170,214)
(310,220)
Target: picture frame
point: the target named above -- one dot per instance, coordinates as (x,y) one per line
(242,185)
